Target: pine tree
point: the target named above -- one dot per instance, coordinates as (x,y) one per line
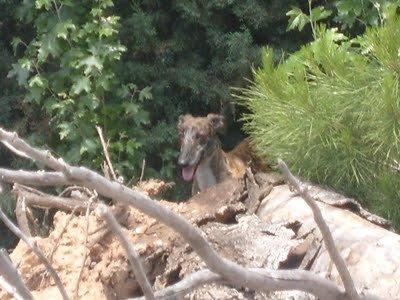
(332,111)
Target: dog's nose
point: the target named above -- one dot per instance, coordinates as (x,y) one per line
(182,162)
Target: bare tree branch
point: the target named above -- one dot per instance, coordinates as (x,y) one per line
(186,285)
(142,172)
(106,154)
(35,178)
(255,279)
(22,148)
(10,274)
(37,251)
(49,201)
(20,153)
(325,231)
(12,290)
(20,214)
(133,256)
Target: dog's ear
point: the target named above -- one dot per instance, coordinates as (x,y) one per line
(182,119)
(217,122)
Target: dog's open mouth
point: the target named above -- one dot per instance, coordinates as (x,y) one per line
(188,172)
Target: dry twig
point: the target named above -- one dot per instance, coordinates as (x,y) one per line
(20,214)
(186,285)
(37,251)
(10,279)
(76,293)
(106,154)
(142,172)
(58,239)
(133,256)
(326,233)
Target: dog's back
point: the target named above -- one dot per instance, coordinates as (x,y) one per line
(243,156)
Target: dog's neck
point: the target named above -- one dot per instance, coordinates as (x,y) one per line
(212,169)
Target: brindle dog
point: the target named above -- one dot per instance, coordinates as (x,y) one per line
(201,157)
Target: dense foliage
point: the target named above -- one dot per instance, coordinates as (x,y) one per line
(132,68)
(332,111)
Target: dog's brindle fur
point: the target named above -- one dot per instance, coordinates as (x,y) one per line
(201,150)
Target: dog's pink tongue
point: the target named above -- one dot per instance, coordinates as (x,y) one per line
(187,173)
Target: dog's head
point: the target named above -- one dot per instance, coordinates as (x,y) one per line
(198,139)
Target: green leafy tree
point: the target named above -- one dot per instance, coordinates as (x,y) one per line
(68,70)
(332,111)
(352,16)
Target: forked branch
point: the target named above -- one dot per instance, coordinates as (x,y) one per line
(323,227)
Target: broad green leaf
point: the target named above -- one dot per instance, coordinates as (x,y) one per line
(81,83)
(319,13)
(297,19)
(34,95)
(43,3)
(20,73)
(90,64)
(130,108)
(89,145)
(89,102)
(62,28)
(145,94)
(106,3)
(142,117)
(38,81)
(25,63)
(294,12)
(15,43)
(64,130)
(132,146)
(49,45)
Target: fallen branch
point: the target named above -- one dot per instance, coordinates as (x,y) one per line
(255,279)
(186,285)
(133,257)
(9,278)
(49,201)
(37,251)
(326,233)
(34,178)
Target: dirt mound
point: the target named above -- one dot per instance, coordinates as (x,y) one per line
(106,273)
(245,221)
